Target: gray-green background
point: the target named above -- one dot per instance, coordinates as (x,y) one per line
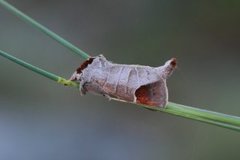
(40,119)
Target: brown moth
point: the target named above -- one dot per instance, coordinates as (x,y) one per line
(129,83)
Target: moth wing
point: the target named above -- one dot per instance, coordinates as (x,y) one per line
(153,94)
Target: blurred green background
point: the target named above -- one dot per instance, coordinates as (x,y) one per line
(40,119)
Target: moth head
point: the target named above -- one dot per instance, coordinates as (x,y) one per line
(77,74)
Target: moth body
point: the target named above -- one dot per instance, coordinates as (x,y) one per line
(130,83)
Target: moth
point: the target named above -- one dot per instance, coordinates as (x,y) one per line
(130,83)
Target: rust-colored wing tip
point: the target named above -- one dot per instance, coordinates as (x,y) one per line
(173,62)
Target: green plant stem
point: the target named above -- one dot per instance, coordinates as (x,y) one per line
(44,29)
(211,117)
(40,71)
(218,119)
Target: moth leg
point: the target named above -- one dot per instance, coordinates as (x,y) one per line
(82,90)
(150,109)
(107,96)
